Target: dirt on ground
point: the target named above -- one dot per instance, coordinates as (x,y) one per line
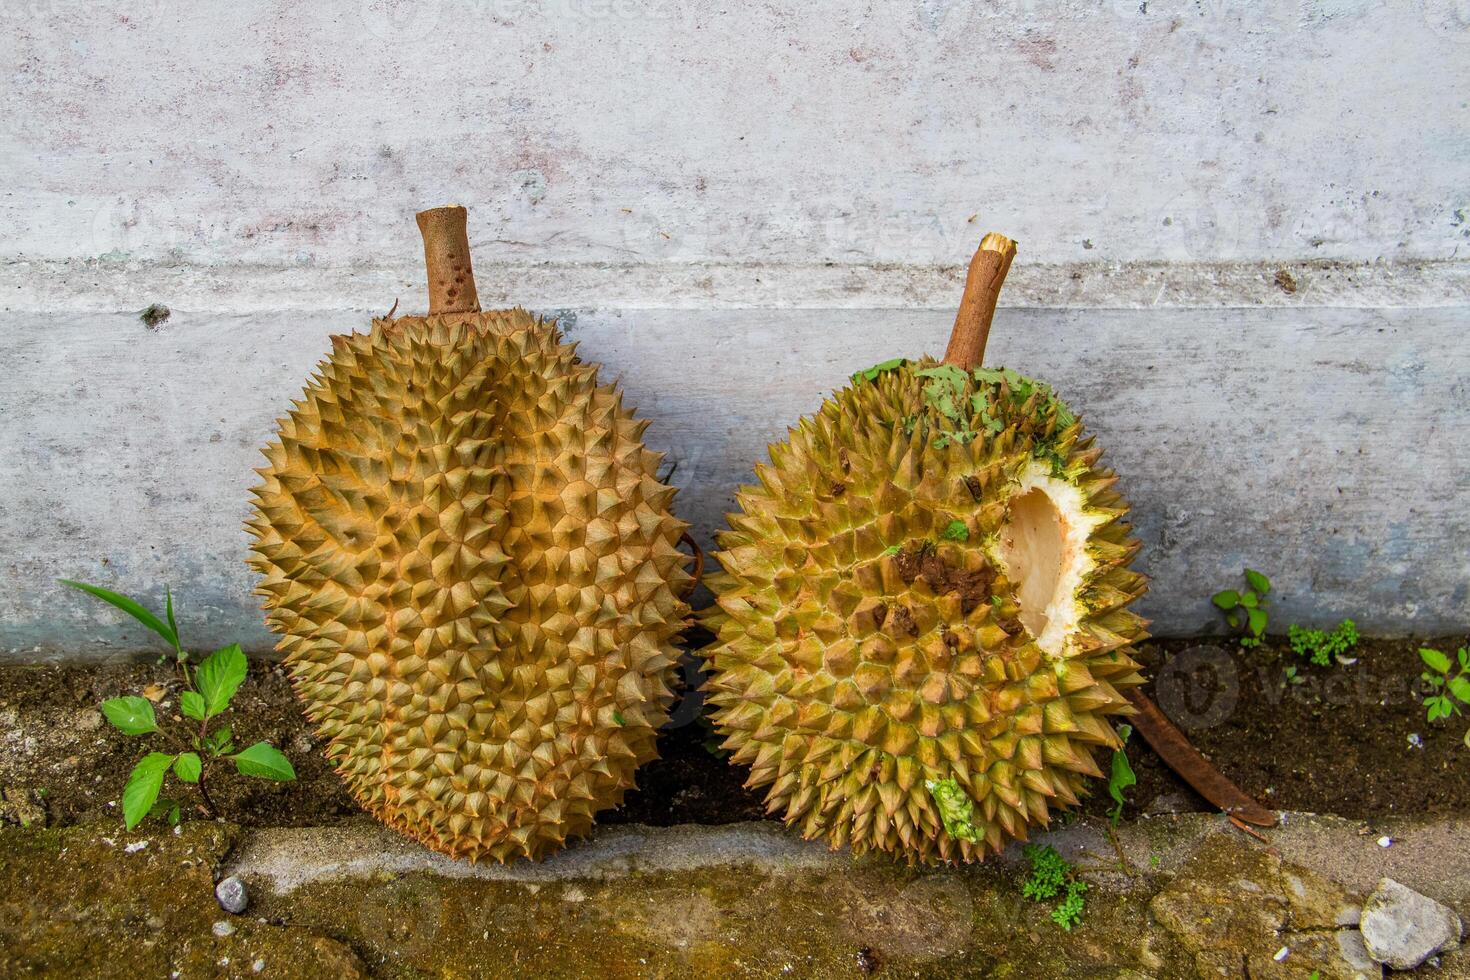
(1350,740)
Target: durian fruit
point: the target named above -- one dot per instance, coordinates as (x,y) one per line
(472,567)
(921,634)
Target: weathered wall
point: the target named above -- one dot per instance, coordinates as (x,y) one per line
(1240,227)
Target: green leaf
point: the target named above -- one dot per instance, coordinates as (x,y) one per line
(618,717)
(892,549)
(218,741)
(1233,619)
(141,791)
(191,703)
(869,374)
(168,610)
(1250,600)
(131,715)
(166,809)
(1258,581)
(1121,778)
(1460,688)
(129,606)
(1228,599)
(266,761)
(957,531)
(219,677)
(1435,660)
(1258,621)
(944,390)
(188,767)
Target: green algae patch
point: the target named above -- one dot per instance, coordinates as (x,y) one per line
(93,900)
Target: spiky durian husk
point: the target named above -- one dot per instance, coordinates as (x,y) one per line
(474,573)
(863,649)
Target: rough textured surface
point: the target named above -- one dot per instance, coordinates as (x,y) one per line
(1234,909)
(923,613)
(1402,928)
(1237,435)
(1163,154)
(472,566)
(1167,898)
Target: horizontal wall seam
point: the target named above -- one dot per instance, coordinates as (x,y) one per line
(111,287)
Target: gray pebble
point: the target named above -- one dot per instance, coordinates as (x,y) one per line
(231,895)
(1402,928)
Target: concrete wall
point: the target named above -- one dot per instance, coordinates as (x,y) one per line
(1241,233)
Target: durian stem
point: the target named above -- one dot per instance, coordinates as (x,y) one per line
(447,260)
(977,307)
(1174,747)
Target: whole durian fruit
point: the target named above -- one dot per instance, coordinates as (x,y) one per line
(473,570)
(921,633)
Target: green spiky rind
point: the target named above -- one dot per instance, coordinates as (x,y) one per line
(473,570)
(845,681)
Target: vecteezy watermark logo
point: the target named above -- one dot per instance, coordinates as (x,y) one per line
(1198,687)
(400,20)
(1450,18)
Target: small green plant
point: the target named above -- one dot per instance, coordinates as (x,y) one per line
(197,750)
(1052,877)
(1122,775)
(1448,692)
(1246,610)
(1321,647)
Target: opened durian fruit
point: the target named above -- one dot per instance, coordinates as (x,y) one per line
(472,567)
(922,639)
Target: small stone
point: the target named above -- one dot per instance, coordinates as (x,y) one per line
(136,846)
(223,928)
(1282,953)
(89,720)
(1385,842)
(1402,928)
(232,896)
(258,966)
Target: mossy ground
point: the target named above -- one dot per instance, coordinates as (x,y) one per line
(93,902)
(79,904)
